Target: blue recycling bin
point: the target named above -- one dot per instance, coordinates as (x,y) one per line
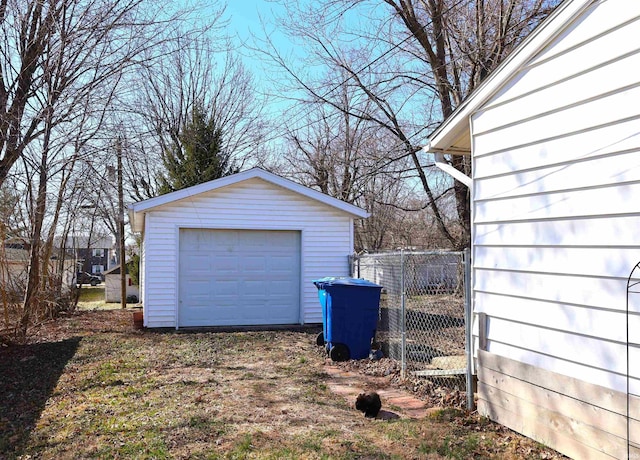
(349,316)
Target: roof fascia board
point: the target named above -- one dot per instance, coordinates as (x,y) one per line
(541,36)
(133,220)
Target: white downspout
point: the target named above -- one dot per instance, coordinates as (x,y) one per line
(446,167)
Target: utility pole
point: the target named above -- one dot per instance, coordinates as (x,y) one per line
(121,238)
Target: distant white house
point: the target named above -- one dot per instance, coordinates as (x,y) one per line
(240,250)
(554,137)
(14,266)
(440,274)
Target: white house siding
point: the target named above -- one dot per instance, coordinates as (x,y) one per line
(556,216)
(326,239)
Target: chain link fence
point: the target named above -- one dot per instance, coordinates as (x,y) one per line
(422,320)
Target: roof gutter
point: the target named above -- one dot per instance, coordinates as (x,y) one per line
(442,164)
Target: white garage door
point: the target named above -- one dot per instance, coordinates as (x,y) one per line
(239,277)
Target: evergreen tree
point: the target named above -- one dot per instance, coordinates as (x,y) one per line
(196,155)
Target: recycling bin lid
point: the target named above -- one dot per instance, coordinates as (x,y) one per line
(343,281)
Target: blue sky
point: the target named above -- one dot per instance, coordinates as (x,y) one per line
(244,16)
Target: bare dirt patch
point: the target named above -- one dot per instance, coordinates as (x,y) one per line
(90,386)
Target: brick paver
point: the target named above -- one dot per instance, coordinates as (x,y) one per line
(395,402)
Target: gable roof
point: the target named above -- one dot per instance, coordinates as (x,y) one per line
(453,136)
(137,210)
(84,242)
(116,270)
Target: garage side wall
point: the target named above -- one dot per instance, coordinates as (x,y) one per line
(556,161)
(326,239)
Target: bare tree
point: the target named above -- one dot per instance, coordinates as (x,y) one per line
(414,60)
(61,64)
(329,154)
(58,53)
(198,71)
(351,159)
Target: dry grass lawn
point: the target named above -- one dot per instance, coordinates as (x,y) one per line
(92,298)
(90,386)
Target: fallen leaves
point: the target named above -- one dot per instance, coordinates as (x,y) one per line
(90,386)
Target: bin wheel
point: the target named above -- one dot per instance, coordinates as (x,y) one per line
(320,339)
(339,352)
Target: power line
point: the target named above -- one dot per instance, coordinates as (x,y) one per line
(323,97)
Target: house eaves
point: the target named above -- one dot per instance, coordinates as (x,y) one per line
(453,135)
(137,210)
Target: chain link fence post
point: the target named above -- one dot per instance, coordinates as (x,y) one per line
(403,317)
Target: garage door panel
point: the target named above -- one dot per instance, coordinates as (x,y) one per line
(223,263)
(198,241)
(197,289)
(282,241)
(198,293)
(198,261)
(223,304)
(224,313)
(277,287)
(279,314)
(239,277)
(252,245)
(281,263)
(222,239)
(255,263)
(197,275)
(254,288)
(225,287)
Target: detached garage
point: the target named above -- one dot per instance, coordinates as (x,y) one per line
(240,250)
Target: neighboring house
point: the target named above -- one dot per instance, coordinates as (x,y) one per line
(434,271)
(554,136)
(93,255)
(240,250)
(14,266)
(112,287)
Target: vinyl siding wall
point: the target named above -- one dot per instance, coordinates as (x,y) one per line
(326,239)
(556,207)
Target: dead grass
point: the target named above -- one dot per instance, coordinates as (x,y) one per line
(92,387)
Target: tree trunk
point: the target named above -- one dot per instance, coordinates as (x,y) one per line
(31,296)
(121,236)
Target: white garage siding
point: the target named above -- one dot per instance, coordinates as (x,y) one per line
(326,239)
